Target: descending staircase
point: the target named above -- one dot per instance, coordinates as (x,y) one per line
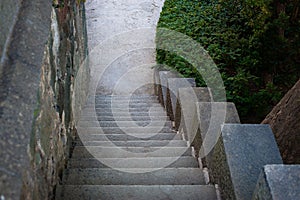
(131,155)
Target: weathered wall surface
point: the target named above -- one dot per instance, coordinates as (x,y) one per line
(40,93)
(8,15)
(284,120)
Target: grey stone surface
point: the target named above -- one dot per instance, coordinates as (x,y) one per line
(129,152)
(152,162)
(8,16)
(137,143)
(122,130)
(209,116)
(124,123)
(172,93)
(156,81)
(19,82)
(140,136)
(139,192)
(124,118)
(240,154)
(105,176)
(185,109)
(162,88)
(278,182)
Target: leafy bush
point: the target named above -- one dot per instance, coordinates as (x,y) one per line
(254,43)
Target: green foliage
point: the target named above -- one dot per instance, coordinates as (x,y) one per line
(255,44)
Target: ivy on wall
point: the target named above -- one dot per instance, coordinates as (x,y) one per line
(255,44)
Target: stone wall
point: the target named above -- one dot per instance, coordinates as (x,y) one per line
(44,83)
(8,14)
(284,121)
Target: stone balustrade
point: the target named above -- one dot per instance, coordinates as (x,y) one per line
(239,157)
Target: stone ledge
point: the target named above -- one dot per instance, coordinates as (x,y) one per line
(20,78)
(208,118)
(162,88)
(173,85)
(185,106)
(278,182)
(241,152)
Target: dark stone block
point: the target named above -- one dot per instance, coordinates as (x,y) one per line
(185,108)
(241,152)
(172,93)
(162,88)
(209,116)
(278,182)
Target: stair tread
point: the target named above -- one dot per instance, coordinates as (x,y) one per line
(123,118)
(113,124)
(113,152)
(150,162)
(124,130)
(131,136)
(139,176)
(138,192)
(135,143)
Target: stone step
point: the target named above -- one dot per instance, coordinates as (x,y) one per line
(106,176)
(135,143)
(144,97)
(123,109)
(125,114)
(124,130)
(98,99)
(122,101)
(154,162)
(125,123)
(124,105)
(137,192)
(129,152)
(124,118)
(125,137)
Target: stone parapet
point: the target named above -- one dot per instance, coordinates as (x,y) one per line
(240,154)
(278,182)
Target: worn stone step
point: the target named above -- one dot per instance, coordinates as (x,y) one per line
(124,109)
(125,114)
(125,123)
(154,162)
(129,152)
(124,104)
(124,97)
(123,118)
(137,192)
(124,130)
(107,176)
(122,101)
(125,137)
(135,143)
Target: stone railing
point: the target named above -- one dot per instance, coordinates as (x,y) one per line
(243,160)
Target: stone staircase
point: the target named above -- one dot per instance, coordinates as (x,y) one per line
(129,150)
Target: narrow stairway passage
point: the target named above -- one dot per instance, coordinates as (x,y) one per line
(129,150)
